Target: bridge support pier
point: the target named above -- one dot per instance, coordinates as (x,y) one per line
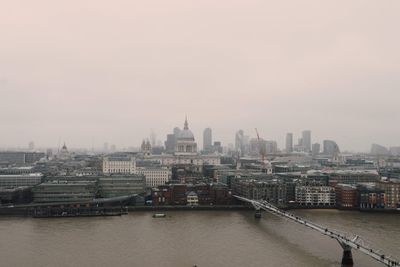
(257,214)
(347,258)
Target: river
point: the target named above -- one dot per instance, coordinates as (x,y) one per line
(186,238)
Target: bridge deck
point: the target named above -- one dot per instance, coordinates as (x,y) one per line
(344,240)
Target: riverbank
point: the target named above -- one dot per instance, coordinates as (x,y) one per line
(31,212)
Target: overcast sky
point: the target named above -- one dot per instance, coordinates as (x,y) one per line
(110,71)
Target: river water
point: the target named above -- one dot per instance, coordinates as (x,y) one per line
(185,238)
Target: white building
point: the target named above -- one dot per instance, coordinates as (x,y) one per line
(198,160)
(315,196)
(125,164)
(192,199)
(185,143)
(155,176)
(121,164)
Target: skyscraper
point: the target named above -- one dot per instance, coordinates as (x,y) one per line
(306,136)
(207,139)
(330,147)
(289,142)
(239,140)
(31,145)
(316,148)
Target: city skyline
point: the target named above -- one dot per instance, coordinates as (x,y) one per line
(107,145)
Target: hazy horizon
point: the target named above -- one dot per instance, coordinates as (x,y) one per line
(88,72)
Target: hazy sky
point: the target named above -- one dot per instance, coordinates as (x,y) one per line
(113,70)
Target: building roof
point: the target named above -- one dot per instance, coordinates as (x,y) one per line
(186,134)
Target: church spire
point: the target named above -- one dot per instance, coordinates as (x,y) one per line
(186,124)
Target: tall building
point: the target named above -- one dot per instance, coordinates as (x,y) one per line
(171,141)
(207,139)
(330,147)
(306,137)
(379,150)
(113,148)
(105,147)
(31,145)
(316,148)
(271,147)
(289,142)
(241,142)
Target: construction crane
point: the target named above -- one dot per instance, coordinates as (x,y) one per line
(262,152)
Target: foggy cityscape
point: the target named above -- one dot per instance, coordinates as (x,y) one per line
(199,133)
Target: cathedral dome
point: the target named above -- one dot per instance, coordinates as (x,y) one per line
(186,134)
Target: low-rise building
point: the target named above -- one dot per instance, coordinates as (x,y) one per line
(353,176)
(315,196)
(17,180)
(8,158)
(206,194)
(192,199)
(64,191)
(155,176)
(121,185)
(119,164)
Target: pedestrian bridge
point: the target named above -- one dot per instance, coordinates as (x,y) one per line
(346,241)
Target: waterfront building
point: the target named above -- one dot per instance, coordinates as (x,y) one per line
(17,180)
(306,140)
(207,140)
(17,195)
(289,142)
(392,191)
(177,194)
(315,196)
(371,197)
(192,199)
(155,176)
(272,191)
(347,196)
(64,191)
(121,185)
(119,164)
